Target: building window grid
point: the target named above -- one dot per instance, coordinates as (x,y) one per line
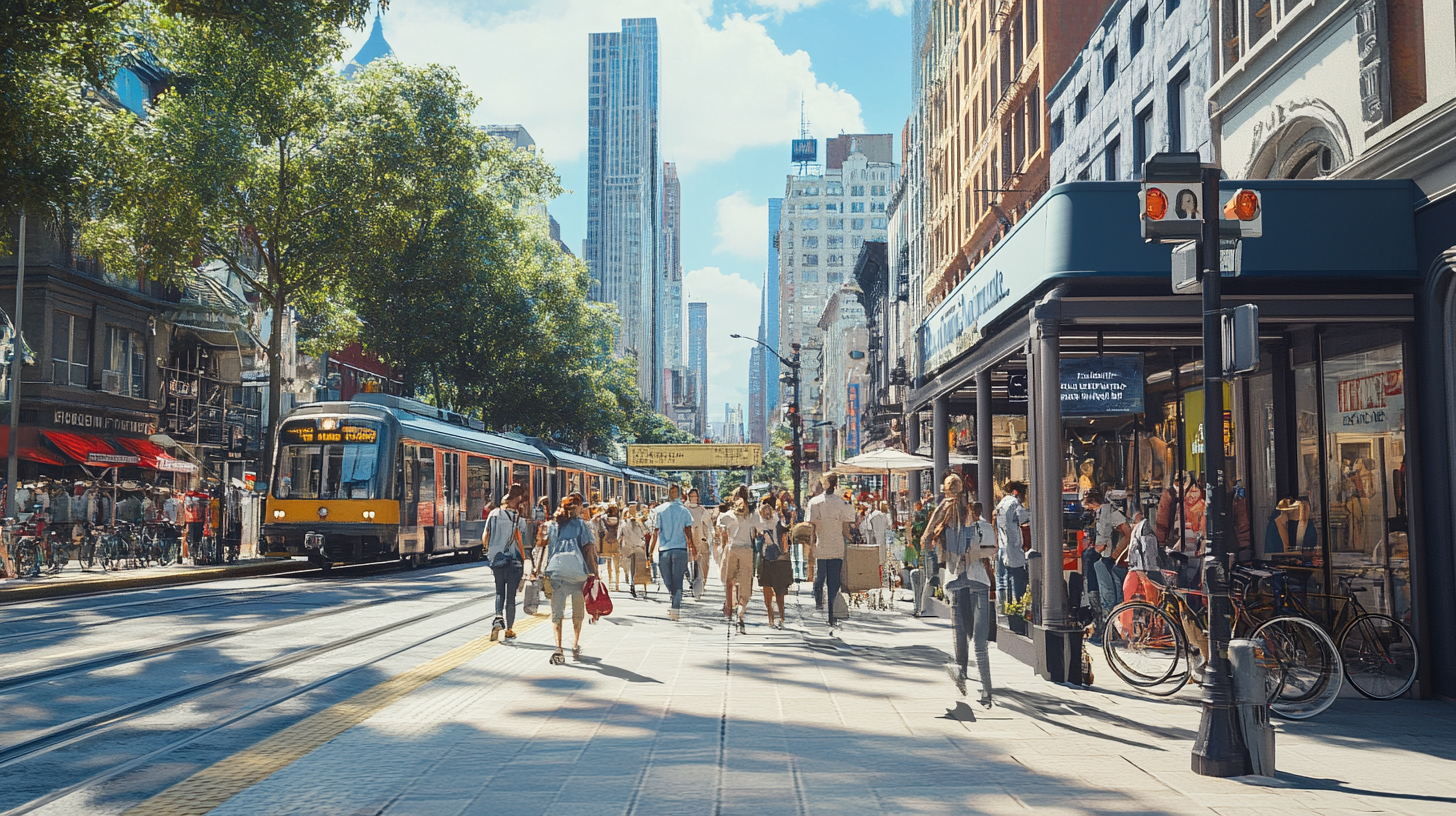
(71,350)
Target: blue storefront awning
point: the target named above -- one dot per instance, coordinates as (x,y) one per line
(1327,230)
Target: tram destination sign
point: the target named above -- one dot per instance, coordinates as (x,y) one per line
(349,434)
(1106,385)
(694,457)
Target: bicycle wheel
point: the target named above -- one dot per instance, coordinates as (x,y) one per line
(1308,662)
(86,553)
(166,551)
(27,558)
(110,554)
(1145,647)
(1381,657)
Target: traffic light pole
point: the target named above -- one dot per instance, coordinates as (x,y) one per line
(1219,750)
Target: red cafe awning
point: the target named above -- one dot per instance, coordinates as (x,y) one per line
(154,456)
(28,449)
(81,447)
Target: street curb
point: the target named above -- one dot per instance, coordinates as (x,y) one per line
(65,589)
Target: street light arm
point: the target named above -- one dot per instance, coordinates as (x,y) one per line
(767,347)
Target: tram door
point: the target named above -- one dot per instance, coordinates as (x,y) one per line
(451,509)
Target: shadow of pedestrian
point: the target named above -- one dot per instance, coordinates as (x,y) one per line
(961,713)
(596,664)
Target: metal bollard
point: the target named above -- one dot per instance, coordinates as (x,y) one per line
(1251,695)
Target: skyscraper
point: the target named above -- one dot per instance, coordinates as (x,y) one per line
(623,193)
(757,422)
(698,361)
(670,306)
(763,369)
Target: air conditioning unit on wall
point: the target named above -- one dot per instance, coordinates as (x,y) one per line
(111,382)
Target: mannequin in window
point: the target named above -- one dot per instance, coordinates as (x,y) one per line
(1290,529)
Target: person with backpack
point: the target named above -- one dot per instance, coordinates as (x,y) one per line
(571,556)
(1144,568)
(607,527)
(505,535)
(964,542)
(634,557)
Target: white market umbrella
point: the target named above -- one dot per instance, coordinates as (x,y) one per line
(885,459)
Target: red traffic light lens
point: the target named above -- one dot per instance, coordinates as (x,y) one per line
(1246,205)
(1155,204)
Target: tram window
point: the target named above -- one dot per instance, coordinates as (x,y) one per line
(419,481)
(299,467)
(477,486)
(521,474)
(539,474)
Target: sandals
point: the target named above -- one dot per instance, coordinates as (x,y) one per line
(576,653)
(557,658)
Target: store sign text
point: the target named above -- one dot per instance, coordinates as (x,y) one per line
(955,325)
(1102,386)
(100,422)
(1368,403)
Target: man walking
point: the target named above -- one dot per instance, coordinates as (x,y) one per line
(673,528)
(832,519)
(1011,572)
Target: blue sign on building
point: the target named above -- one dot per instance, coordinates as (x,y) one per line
(1106,385)
(805,150)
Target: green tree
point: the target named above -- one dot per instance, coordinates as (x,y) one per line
(51,49)
(242,162)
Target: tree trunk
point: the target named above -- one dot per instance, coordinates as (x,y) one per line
(275,387)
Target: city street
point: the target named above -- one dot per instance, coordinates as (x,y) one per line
(378,691)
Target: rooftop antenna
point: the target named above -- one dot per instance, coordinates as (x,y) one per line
(806,147)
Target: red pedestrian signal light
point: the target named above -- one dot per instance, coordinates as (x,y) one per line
(1155,204)
(1244,206)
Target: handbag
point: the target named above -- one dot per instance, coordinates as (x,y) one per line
(504,558)
(771,549)
(564,562)
(598,602)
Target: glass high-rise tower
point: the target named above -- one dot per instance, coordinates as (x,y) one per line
(670,279)
(698,361)
(624,206)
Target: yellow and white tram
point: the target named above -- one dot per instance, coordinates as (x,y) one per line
(385,477)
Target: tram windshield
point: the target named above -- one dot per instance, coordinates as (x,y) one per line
(342,462)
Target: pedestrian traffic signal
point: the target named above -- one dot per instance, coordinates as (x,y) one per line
(1155,204)
(1172,211)
(1243,213)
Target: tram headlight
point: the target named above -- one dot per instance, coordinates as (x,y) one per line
(278,514)
(369,514)
(323,512)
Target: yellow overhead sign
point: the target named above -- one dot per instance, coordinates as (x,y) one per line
(694,457)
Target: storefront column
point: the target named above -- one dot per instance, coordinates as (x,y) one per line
(940,445)
(1058,645)
(985,491)
(912,444)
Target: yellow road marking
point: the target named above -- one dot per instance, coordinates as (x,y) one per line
(212,786)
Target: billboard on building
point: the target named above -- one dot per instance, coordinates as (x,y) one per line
(851,441)
(694,457)
(805,150)
(1106,385)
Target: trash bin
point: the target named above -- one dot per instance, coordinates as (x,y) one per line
(1251,697)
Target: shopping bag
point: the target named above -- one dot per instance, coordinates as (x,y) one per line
(598,602)
(531,598)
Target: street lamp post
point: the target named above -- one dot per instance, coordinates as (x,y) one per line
(794,419)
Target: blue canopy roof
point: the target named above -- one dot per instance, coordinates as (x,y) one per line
(1313,230)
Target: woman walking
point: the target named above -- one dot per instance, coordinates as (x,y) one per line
(608,526)
(571,555)
(775,570)
(963,542)
(738,527)
(632,534)
(505,539)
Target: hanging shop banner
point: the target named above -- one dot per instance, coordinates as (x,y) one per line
(1372,404)
(695,457)
(851,442)
(1102,386)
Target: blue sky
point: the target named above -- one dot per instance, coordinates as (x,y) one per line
(733,74)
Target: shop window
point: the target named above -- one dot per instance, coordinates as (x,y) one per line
(126,374)
(71,350)
(1365,469)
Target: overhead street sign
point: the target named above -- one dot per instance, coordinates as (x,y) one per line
(694,457)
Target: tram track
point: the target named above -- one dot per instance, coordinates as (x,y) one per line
(254,594)
(45,675)
(90,725)
(232,719)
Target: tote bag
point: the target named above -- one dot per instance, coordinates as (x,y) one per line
(564,562)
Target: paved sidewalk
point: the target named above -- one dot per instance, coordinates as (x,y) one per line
(687,718)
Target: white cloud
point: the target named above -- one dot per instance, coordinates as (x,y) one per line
(732,309)
(723,88)
(742,227)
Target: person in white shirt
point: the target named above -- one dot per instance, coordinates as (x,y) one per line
(738,529)
(1011,570)
(505,549)
(832,519)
